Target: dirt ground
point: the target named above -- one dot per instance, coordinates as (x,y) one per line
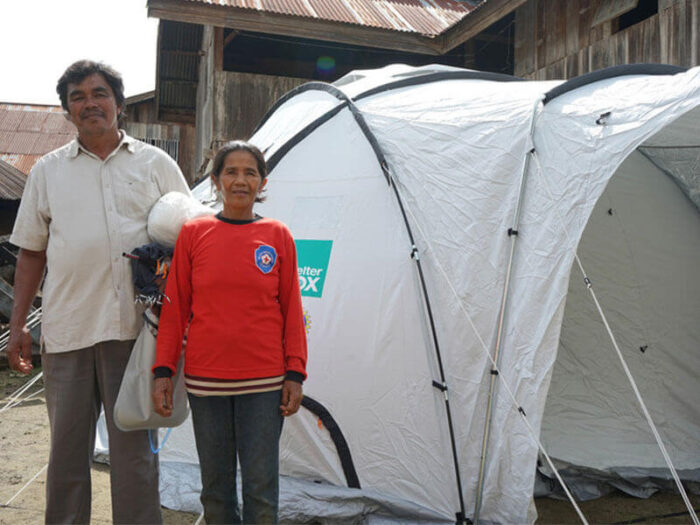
(24,451)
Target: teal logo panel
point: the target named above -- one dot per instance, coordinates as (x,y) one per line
(312,259)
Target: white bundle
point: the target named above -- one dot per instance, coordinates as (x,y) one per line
(169,213)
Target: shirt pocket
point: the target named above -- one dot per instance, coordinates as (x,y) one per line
(135,193)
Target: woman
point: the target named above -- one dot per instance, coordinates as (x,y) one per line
(235,274)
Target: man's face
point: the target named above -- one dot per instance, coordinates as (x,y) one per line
(92,106)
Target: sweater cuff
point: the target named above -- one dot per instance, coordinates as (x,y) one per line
(292,376)
(162,371)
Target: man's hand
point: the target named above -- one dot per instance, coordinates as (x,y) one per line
(163,396)
(291,397)
(28,274)
(19,350)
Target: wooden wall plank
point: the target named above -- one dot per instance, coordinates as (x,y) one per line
(695,33)
(572,21)
(601,55)
(540,33)
(524,46)
(665,24)
(572,66)
(619,46)
(244,98)
(552,25)
(634,45)
(585,12)
(682,37)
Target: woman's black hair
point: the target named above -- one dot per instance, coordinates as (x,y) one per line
(240,145)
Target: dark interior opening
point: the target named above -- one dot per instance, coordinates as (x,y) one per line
(249,52)
(645,9)
(493,49)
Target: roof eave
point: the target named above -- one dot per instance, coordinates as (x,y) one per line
(475,22)
(279,24)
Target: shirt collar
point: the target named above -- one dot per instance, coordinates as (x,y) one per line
(126,141)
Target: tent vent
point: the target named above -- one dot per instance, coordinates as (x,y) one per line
(603,119)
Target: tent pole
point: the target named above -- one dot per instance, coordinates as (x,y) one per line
(442,386)
(513,234)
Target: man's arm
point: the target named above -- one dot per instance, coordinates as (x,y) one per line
(28,275)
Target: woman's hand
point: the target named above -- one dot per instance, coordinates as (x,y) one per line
(291,397)
(163,396)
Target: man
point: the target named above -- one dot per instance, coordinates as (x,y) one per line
(83,206)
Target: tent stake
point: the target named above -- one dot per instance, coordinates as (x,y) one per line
(513,234)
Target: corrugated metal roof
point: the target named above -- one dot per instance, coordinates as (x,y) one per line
(23,163)
(425,17)
(29,131)
(12,182)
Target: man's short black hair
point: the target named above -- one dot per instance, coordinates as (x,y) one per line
(78,71)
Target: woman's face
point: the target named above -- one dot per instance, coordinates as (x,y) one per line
(239,183)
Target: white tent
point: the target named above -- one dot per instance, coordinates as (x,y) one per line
(437,213)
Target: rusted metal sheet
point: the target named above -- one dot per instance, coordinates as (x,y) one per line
(425,17)
(29,131)
(32,121)
(336,11)
(12,182)
(10,120)
(23,163)
(57,123)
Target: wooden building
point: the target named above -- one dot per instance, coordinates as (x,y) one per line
(176,139)
(563,39)
(222,65)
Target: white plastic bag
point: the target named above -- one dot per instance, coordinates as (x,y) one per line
(133,409)
(169,213)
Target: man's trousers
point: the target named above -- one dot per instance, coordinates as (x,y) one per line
(77,383)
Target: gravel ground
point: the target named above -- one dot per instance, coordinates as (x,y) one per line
(24,434)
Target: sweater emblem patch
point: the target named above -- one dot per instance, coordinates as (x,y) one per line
(265,258)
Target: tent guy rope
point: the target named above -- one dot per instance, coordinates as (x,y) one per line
(25,486)
(19,392)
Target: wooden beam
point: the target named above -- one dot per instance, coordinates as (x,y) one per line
(175,116)
(233,34)
(275,24)
(218,49)
(475,22)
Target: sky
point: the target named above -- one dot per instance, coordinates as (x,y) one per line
(40,38)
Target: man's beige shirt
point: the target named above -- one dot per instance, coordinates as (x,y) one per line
(85,212)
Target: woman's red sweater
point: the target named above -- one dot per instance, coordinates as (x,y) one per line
(239,281)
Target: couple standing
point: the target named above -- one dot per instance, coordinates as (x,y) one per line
(83,206)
